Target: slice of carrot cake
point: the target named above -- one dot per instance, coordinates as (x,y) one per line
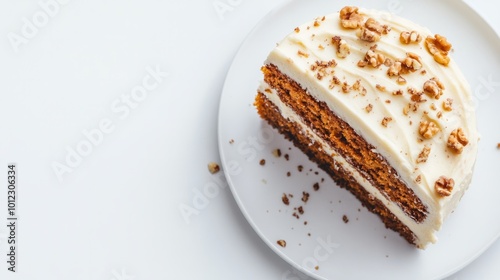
(378,103)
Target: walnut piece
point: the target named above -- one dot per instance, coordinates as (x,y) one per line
(457,141)
(428,129)
(213,167)
(375,26)
(350,18)
(434,88)
(444,186)
(411,63)
(374,59)
(438,46)
(343,49)
(282,243)
(372,30)
(368,35)
(416,96)
(447,104)
(386,121)
(407,37)
(424,154)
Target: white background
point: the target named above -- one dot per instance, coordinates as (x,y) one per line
(110,208)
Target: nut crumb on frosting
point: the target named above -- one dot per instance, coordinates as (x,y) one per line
(343,49)
(457,141)
(434,88)
(438,46)
(428,129)
(213,167)
(303,54)
(262,162)
(372,30)
(407,37)
(379,87)
(350,18)
(444,186)
(424,154)
(369,108)
(386,121)
(418,179)
(447,104)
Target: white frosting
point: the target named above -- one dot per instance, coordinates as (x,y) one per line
(398,141)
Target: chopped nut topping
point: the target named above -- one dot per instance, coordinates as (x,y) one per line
(322,68)
(369,108)
(297,30)
(262,162)
(434,88)
(357,85)
(368,35)
(457,141)
(416,96)
(407,37)
(213,167)
(418,179)
(433,107)
(386,121)
(375,26)
(282,243)
(372,30)
(379,87)
(428,129)
(343,49)
(401,81)
(406,109)
(444,186)
(335,81)
(411,63)
(372,58)
(394,69)
(438,47)
(397,92)
(350,18)
(346,88)
(447,104)
(303,54)
(424,154)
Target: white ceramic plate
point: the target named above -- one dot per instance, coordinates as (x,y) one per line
(326,247)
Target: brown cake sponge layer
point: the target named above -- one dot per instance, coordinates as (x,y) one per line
(292,131)
(345,141)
